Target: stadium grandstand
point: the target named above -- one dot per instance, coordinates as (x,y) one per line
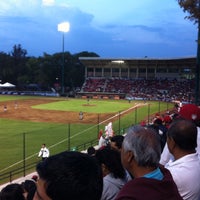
(146,78)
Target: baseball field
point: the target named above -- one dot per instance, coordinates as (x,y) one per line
(26,122)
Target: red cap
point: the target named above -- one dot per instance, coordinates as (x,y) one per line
(190,112)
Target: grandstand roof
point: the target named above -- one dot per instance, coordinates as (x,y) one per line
(98,61)
(144,58)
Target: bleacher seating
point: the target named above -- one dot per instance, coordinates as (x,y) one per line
(156,89)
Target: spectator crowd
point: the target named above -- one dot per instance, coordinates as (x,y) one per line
(155,89)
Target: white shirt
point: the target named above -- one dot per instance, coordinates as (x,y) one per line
(44,152)
(166,156)
(186,174)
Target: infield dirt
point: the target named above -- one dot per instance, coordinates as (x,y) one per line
(22,110)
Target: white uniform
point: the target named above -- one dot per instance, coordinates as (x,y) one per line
(44,153)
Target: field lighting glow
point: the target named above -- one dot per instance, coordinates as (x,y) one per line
(118,61)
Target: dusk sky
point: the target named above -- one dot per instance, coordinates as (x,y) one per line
(110,28)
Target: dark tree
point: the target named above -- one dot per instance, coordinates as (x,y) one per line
(44,71)
(5,67)
(192,7)
(18,55)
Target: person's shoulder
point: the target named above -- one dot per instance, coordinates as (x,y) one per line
(131,189)
(187,163)
(131,183)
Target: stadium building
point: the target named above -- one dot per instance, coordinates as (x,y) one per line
(117,78)
(146,68)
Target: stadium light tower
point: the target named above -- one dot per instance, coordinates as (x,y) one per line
(64,28)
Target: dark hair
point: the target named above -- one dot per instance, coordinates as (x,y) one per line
(71,175)
(118,139)
(91,151)
(112,160)
(30,187)
(12,191)
(184,134)
(158,121)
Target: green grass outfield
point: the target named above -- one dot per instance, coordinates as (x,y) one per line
(24,138)
(93,106)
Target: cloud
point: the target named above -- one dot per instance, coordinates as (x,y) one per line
(105,27)
(48,2)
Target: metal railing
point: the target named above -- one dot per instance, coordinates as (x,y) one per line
(16,173)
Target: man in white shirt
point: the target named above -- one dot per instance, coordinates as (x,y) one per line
(185,169)
(44,152)
(189,112)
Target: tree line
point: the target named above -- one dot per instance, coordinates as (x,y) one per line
(45,71)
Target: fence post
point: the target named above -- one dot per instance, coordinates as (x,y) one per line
(98,125)
(68,137)
(24,154)
(148,113)
(135,115)
(119,122)
(10,176)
